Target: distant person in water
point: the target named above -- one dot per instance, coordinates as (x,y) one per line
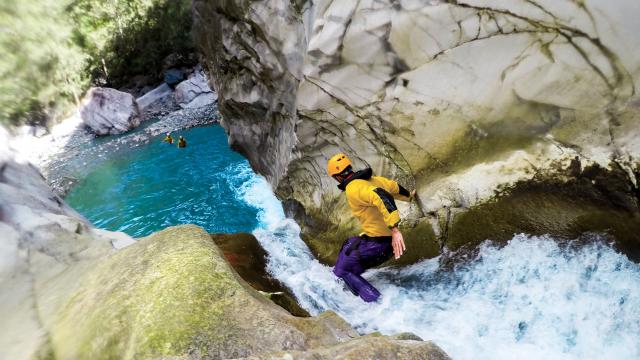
(168,138)
(371,199)
(182,142)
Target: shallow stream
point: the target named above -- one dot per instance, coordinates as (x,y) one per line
(530,299)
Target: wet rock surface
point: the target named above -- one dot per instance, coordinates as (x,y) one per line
(244,253)
(461,100)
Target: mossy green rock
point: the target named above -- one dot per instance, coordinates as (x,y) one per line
(173,295)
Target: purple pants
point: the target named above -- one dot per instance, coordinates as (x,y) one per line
(357,255)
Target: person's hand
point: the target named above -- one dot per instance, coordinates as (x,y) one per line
(397,242)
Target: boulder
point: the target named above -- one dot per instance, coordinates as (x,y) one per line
(156,98)
(374,346)
(42,239)
(175,296)
(107,111)
(195,91)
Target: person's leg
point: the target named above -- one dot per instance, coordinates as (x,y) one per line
(349,266)
(374,253)
(362,287)
(371,254)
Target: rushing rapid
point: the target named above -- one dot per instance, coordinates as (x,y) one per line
(530,299)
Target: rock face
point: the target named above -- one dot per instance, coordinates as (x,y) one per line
(156,97)
(175,295)
(45,246)
(195,91)
(249,260)
(367,347)
(462,100)
(108,111)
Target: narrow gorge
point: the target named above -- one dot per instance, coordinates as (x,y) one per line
(516,122)
(506,118)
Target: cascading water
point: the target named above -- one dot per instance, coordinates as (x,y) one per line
(530,299)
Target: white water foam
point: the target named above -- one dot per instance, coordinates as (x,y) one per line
(530,299)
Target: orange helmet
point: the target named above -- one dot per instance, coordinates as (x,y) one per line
(337,164)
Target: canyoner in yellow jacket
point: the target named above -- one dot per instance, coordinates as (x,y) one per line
(371,199)
(372,202)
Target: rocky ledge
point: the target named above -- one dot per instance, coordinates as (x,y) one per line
(175,295)
(470,102)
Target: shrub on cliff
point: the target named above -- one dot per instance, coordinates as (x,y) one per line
(53,51)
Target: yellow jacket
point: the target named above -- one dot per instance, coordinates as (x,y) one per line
(371,199)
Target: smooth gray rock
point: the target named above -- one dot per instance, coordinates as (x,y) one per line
(108,111)
(158,95)
(195,91)
(42,237)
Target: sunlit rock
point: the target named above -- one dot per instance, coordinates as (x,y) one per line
(42,239)
(195,91)
(155,97)
(108,111)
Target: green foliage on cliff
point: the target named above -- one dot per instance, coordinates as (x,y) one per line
(53,50)
(123,38)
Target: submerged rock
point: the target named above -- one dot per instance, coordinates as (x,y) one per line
(460,100)
(108,111)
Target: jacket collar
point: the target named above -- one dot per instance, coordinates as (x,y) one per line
(361,174)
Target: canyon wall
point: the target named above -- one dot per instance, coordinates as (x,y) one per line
(507,116)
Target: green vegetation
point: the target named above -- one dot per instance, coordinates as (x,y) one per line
(52,51)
